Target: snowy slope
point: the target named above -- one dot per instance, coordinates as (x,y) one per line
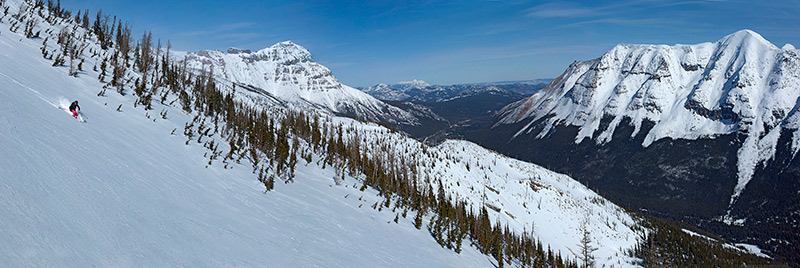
(741,83)
(120,190)
(287,71)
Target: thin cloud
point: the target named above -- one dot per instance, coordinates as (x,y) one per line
(335,65)
(621,13)
(511,53)
(239,36)
(560,10)
(621,21)
(467,64)
(234,26)
(386,13)
(683,3)
(575,10)
(334,45)
(218,29)
(479,54)
(497,29)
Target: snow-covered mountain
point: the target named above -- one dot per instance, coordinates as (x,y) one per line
(706,133)
(414,83)
(401,91)
(286,71)
(739,84)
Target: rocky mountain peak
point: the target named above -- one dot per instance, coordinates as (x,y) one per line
(286,52)
(236,50)
(286,71)
(745,38)
(740,83)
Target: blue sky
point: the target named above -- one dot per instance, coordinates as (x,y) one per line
(449,42)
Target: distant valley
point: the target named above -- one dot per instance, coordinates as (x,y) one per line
(441,107)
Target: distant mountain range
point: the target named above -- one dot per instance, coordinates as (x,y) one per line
(419,91)
(441,107)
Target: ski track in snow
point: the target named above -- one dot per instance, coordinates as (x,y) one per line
(34,91)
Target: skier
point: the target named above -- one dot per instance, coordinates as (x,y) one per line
(74,108)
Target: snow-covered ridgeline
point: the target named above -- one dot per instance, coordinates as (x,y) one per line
(399,91)
(421,91)
(740,83)
(287,72)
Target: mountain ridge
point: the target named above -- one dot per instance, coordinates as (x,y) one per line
(421,92)
(689,91)
(287,71)
(706,134)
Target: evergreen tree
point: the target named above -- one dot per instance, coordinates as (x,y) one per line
(585,255)
(418,220)
(103,66)
(85,21)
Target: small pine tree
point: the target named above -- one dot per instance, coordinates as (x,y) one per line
(103,66)
(418,220)
(270,184)
(585,255)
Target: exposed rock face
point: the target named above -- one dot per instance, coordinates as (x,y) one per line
(234,50)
